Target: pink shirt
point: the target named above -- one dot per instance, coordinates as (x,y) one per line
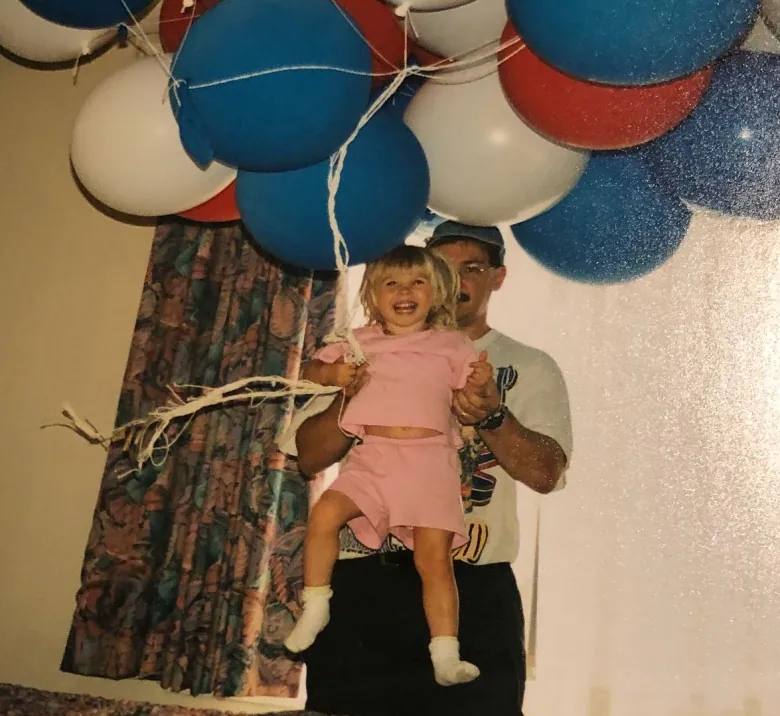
(412,378)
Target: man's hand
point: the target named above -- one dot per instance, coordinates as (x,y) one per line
(479,397)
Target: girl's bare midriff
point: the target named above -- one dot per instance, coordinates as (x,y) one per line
(400,433)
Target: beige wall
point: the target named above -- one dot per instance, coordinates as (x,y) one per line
(659,562)
(70,279)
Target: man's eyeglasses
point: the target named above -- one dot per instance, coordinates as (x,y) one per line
(472,270)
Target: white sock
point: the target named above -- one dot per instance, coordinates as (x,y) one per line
(448,669)
(315,617)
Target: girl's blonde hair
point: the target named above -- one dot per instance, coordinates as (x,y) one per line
(443,277)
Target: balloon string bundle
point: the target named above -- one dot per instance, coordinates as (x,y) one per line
(150,439)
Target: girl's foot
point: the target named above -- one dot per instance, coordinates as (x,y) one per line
(448,668)
(315,617)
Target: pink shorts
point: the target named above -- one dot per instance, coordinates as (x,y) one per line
(402,484)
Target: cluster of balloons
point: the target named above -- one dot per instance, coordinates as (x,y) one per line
(584,125)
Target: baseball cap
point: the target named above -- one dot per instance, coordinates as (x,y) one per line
(454,230)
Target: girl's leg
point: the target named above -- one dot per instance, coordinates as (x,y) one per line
(433,560)
(321,550)
(321,546)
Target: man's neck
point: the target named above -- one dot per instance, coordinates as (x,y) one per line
(476,330)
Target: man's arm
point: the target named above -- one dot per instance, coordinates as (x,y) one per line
(320,441)
(533,458)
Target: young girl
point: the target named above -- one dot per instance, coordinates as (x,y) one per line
(403,476)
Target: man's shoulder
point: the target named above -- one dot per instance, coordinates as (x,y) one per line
(504,350)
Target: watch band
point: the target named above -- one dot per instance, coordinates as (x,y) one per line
(493,421)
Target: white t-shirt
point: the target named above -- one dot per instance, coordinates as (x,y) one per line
(534,391)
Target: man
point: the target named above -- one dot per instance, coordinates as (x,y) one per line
(372,660)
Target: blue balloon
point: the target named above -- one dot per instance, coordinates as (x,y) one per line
(615,225)
(88,14)
(382,196)
(278,121)
(631,42)
(726,155)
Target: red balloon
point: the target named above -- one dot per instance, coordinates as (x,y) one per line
(218,209)
(593,116)
(378,24)
(175,19)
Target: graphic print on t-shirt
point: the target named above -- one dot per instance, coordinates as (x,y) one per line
(471,551)
(477,489)
(350,544)
(483,483)
(506,379)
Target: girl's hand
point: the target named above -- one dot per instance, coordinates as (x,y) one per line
(348,376)
(479,397)
(481,374)
(359,377)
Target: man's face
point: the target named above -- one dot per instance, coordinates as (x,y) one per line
(478,278)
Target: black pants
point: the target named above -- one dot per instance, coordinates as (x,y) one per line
(372,659)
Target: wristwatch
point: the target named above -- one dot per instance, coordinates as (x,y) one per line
(493,421)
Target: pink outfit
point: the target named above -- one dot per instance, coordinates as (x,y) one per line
(412,378)
(402,484)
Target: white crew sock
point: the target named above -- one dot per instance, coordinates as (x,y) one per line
(448,668)
(315,617)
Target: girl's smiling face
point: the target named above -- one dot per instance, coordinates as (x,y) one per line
(404,298)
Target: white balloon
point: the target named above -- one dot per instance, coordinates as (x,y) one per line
(462,29)
(31,37)
(149,24)
(126,148)
(487,166)
(427,4)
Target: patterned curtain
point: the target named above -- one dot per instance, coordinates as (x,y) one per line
(191,568)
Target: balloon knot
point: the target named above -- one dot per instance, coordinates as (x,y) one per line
(403,9)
